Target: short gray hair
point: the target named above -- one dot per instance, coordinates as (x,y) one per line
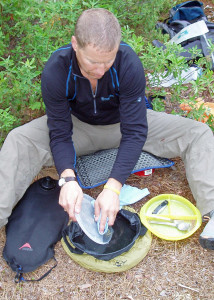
(98,27)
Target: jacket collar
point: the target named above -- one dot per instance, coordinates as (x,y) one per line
(75,67)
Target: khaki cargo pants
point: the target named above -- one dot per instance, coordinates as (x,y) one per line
(26,150)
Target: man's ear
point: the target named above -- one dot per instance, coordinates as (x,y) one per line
(74,43)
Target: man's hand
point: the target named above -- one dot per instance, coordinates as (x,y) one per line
(108,204)
(71,196)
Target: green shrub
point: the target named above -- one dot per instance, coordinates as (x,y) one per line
(7,122)
(32,29)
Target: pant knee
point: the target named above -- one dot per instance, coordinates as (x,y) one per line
(14,133)
(201,132)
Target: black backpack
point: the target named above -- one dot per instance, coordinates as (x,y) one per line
(190,10)
(183,15)
(34,227)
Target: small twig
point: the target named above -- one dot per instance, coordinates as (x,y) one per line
(187,287)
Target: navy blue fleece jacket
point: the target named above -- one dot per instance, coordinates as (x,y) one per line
(119,98)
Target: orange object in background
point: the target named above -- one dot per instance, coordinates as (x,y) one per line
(209,106)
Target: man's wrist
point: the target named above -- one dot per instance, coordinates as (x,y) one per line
(64,180)
(68,173)
(66,176)
(113,185)
(108,187)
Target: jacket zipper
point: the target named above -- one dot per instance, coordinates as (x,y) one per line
(94,98)
(93,94)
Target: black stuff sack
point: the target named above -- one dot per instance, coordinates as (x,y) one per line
(34,227)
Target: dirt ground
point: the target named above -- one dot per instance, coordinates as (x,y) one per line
(171,270)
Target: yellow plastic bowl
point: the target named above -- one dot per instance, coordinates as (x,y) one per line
(178,208)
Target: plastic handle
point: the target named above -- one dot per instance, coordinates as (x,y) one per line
(160,207)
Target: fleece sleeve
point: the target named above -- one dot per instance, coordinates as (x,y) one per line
(59,115)
(133,118)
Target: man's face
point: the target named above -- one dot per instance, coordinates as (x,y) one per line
(93,62)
